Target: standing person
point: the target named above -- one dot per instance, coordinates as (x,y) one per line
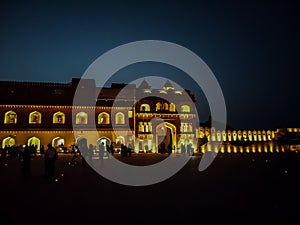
(130,149)
(107,150)
(4,151)
(169,149)
(183,148)
(192,149)
(188,149)
(90,153)
(101,151)
(50,157)
(42,151)
(112,149)
(26,155)
(34,150)
(123,150)
(83,151)
(163,147)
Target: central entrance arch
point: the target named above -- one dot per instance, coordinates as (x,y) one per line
(165,135)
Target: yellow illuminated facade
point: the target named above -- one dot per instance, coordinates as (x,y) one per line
(235,135)
(47,114)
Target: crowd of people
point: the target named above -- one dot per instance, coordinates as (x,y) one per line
(25,153)
(187,150)
(17,151)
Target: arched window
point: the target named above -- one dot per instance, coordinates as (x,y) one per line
(10,117)
(166,106)
(158,106)
(245,135)
(185,108)
(145,107)
(35,117)
(81,118)
(229,135)
(172,107)
(234,135)
(103,118)
(239,135)
(269,135)
(249,135)
(254,133)
(224,135)
(59,117)
(119,118)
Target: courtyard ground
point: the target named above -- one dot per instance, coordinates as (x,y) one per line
(235,189)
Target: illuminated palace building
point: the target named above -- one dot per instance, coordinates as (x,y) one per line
(35,113)
(40,113)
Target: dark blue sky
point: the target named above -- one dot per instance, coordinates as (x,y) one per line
(252,47)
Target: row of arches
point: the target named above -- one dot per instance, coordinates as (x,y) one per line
(258,148)
(233,135)
(35,117)
(59,141)
(186,127)
(82,141)
(10,141)
(164,107)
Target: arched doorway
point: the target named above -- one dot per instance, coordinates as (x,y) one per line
(165,135)
(106,142)
(34,141)
(59,143)
(81,141)
(81,144)
(9,141)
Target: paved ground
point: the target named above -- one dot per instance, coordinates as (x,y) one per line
(253,189)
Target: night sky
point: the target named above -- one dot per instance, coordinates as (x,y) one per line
(252,48)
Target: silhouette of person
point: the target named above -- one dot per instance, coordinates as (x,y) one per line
(42,151)
(189,149)
(107,150)
(163,147)
(101,151)
(90,152)
(169,149)
(4,151)
(83,150)
(129,149)
(123,151)
(192,149)
(112,150)
(183,148)
(50,157)
(26,161)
